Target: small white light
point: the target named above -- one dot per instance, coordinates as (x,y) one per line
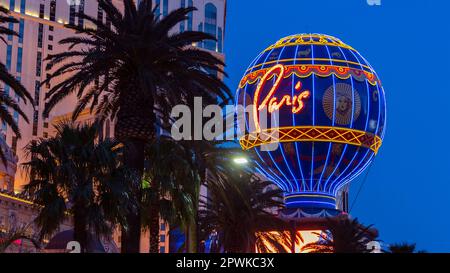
(240,160)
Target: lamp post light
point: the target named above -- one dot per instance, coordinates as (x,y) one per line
(240,160)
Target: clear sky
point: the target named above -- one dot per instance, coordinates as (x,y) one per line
(407,191)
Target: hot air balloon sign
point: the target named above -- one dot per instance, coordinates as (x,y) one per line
(331,116)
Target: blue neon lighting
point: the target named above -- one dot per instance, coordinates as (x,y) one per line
(323,168)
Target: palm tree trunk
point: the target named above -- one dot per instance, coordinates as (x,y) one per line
(251,245)
(80,233)
(192,235)
(193,226)
(192,238)
(134,161)
(154,228)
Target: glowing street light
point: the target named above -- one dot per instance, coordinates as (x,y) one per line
(240,160)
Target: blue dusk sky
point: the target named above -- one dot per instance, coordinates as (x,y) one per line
(406,195)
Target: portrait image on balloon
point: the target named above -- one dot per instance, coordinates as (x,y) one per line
(331,116)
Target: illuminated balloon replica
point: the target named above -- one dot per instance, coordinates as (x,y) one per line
(332,116)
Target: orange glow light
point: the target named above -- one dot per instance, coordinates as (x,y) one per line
(303,238)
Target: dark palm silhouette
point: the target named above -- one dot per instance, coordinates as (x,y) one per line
(174,173)
(347,236)
(402,248)
(206,160)
(14,233)
(73,174)
(6,102)
(167,190)
(135,72)
(238,210)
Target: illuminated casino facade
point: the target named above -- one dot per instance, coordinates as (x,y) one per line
(332,116)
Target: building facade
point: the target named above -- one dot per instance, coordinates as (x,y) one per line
(41,27)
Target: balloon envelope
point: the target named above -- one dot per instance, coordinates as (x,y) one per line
(331,114)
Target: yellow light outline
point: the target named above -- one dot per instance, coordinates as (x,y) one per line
(299,41)
(16,199)
(285,135)
(314,59)
(342,77)
(28,202)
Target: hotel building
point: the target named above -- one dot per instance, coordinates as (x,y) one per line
(41,27)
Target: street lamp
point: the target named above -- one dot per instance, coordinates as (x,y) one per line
(240,160)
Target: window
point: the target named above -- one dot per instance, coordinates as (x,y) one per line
(45,134)
(162,227)
(53,10)
(12,4)
(11,27)
(23,4)
(45,116)
(21,30)
(190,15)
(162,249)
(81,11)
(45,124)
(165,7)
(37,91)
(50,47)
(162,238)
(50,37)
(51,28)
(19,60)
(35,122)
(182,5)
(41,11)
(39,64)
(210,25)
(40,35)
(72,14)
(8,56)
(219,40)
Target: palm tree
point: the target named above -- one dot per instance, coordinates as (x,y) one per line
(402,248)
(73,174)
(238,207)
(13,234)
(167,190)
(206,160)
(134,72)
(5,101)
(174,172)
(347,236)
